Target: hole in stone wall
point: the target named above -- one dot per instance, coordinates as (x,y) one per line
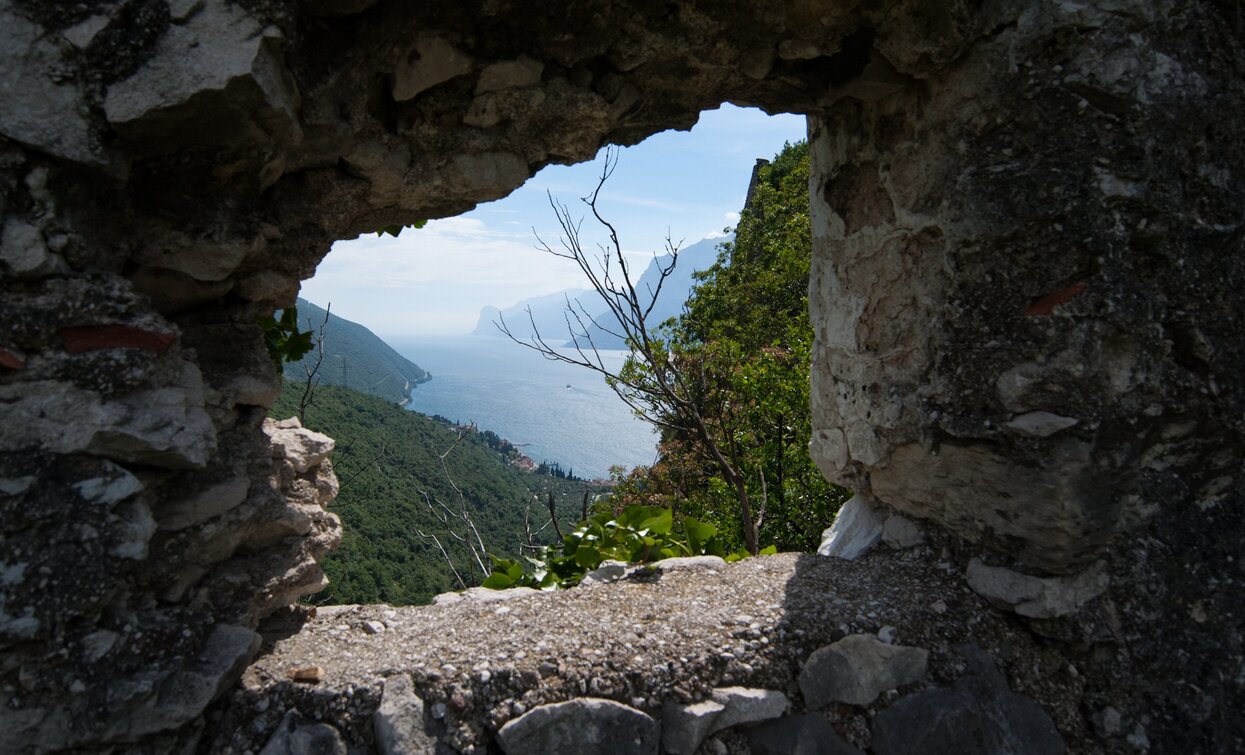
(419,502)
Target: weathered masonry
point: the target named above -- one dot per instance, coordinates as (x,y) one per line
(1027,295)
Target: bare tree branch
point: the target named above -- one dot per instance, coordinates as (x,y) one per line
(667,390)
(449,561)
(458,524)
(312,371)
(553,516)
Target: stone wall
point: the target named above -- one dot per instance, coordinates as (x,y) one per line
(1028,245)
(1027,278)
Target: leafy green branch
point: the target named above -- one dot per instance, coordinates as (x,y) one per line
(285,342)
(639,535)
(394,230)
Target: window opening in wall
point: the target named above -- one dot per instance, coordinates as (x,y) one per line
(504,449)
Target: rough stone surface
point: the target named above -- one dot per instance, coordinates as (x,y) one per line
(220,53)
(803,734)
(151,703)
(483,595)
(430,61)
(978,715)
(399,721)
(1040,424)
(586,725)
(901,532)
(301,448)
(856,529)
(24,252)
(1019,210)
(1038,598)
(42,110)
(216,500)
(639,642)
(294,737)
(164,426)
(608,571)
(687,563)
(858,668)
(685,727)
(955,348)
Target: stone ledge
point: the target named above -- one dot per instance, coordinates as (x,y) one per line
(469,668)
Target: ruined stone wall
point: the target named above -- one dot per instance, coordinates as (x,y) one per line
(1027,214)
(1027,280)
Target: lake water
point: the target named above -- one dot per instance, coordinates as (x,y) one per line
(552,411)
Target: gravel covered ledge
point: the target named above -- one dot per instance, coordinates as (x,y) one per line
(717,657)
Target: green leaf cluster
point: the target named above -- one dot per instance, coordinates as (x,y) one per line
(638,535)
(285,342)
(395,230)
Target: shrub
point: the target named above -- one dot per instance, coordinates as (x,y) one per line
(638,535)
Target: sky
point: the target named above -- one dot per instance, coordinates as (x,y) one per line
(434,280)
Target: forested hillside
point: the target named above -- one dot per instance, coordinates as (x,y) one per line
(388,462)
(743,345)
(354,357)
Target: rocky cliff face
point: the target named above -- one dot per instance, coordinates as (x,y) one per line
(1029,247)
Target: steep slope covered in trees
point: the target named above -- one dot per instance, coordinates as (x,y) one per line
(389,466)
(354,357)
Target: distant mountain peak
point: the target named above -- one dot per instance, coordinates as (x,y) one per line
(484,325)
(548,311)
(675,291)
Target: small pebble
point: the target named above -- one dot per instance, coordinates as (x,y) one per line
(307,674)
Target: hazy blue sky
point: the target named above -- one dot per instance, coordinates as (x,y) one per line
(436,279)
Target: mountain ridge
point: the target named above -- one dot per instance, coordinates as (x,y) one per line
(675,290)
(548,311)
(354,357)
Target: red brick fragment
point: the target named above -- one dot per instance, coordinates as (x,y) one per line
(11,360)
(307,674)
(1045,305)
(95,337)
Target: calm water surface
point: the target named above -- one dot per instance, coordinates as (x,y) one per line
(552,411)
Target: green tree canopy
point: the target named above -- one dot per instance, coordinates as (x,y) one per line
(745,343)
